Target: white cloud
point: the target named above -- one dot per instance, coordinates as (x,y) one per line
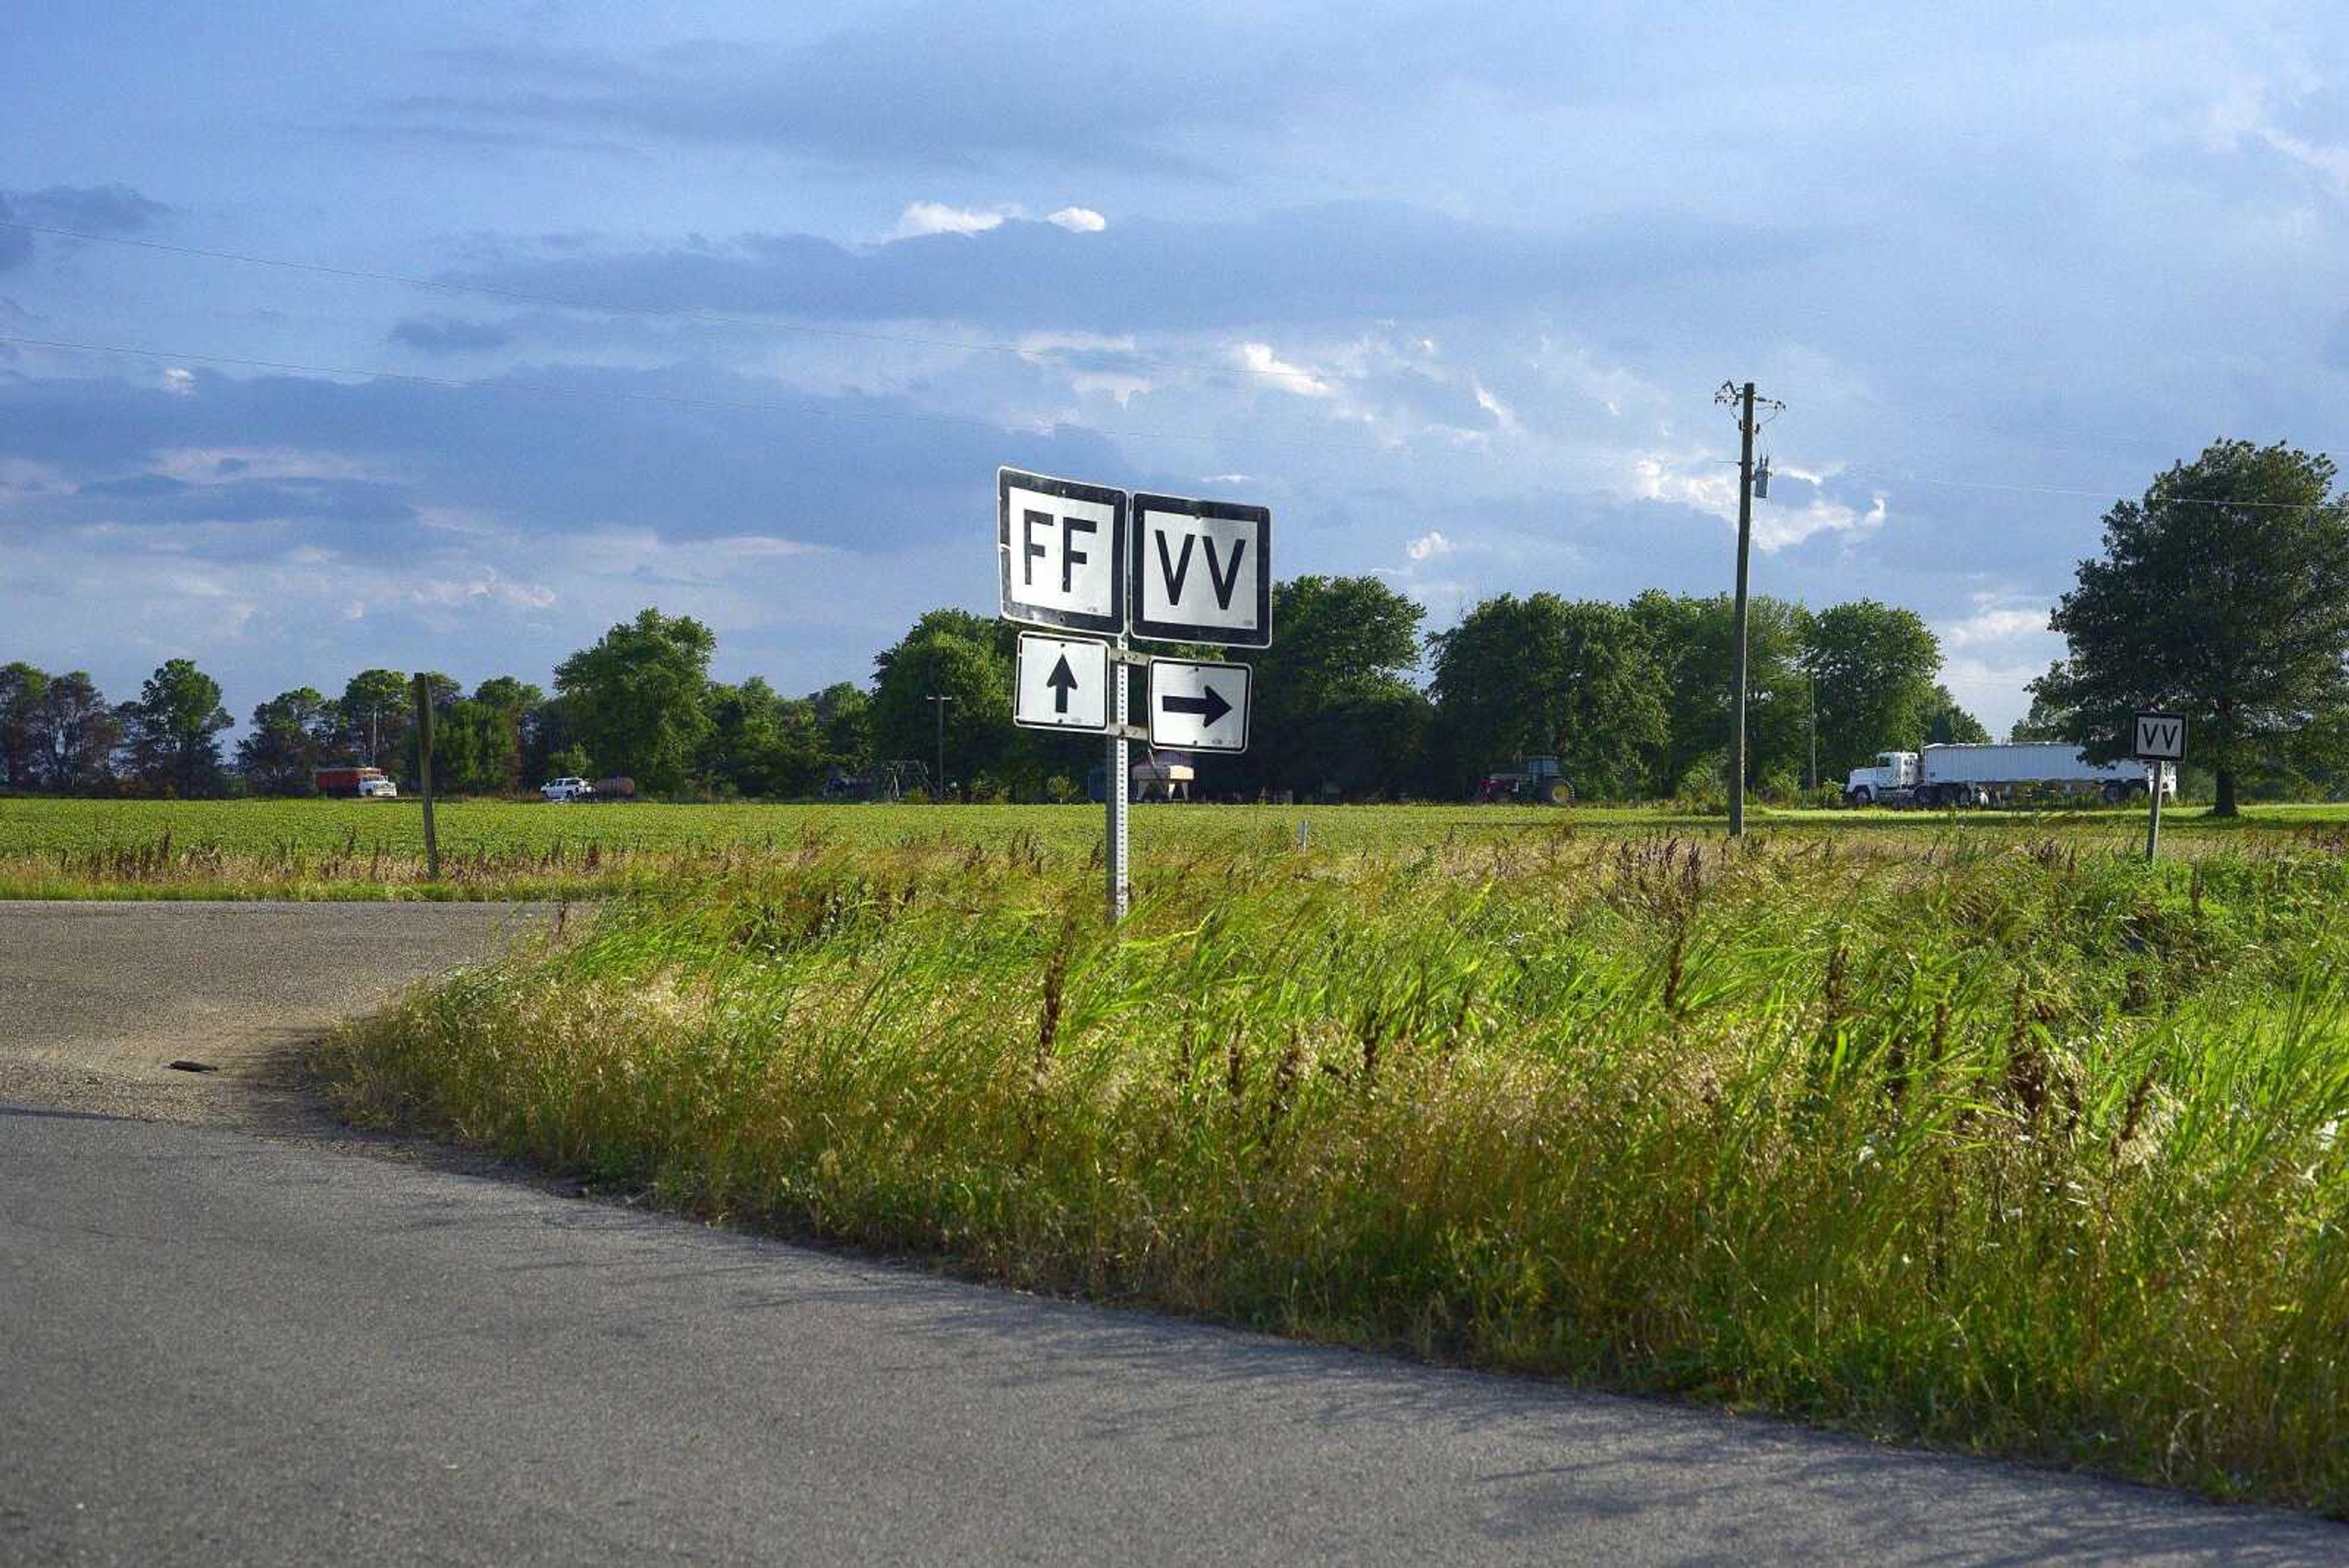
(921,218)
(219,464)
(1430,545)
(1079,220)
(752,547)
(1692,479)
(1776,527)
(1710,485)
(181,382)
(1995,626)
(1503,415)
(1258,359)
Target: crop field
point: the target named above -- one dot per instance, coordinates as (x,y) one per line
(1990,1137)
(375,850)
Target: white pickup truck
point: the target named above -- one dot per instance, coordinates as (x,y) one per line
(1990,774)
(568,787)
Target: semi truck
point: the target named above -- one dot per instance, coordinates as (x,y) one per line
(356,783)
(1998,775)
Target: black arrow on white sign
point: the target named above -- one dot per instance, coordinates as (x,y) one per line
(1212,705)
(1063,680)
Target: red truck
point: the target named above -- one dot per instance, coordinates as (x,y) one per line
(356,783)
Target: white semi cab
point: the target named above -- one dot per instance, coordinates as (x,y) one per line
(1988,774)
(566,788)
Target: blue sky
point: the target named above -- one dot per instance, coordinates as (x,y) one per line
(742,304)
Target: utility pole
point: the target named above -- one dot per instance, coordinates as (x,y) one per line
(1741,397)
(939,701)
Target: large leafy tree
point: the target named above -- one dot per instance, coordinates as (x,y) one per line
(762,744)
(293,734)
(498,724)
(1694,641)
(2051,717)
(21,688)
(844,711)
(634,700)
(1872,669)
(968,660)
(1947,723)
(75,734)
(1333,704)
(173,731)
(1545,674)
(377,708)
(2222,594)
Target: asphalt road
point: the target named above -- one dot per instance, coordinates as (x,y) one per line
(224,1346)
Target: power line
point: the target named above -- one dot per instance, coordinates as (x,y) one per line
(673,399)
(716,317)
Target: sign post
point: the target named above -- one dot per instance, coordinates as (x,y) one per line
(1091,561)
(1120,791)
(424,775)
(2159,741)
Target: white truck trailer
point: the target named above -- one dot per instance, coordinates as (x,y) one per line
(1997,774)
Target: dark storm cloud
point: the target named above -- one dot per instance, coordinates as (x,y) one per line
(88,209)
(543,452)
(448,335)
(1344,261)
(951,86)
(111,209)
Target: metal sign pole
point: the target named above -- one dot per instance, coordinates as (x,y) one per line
(1120,786)
(2154,771)
(424,775)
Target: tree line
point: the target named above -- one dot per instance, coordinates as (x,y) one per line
(2222,594)
(1633,696)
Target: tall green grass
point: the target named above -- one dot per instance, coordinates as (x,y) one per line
(2014,1147)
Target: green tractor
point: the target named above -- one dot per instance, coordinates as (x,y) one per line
(1536,780)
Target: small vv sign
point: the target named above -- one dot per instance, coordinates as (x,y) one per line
(2157,739)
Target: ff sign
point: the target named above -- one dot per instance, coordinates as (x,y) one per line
(1061,546)
(1202,572)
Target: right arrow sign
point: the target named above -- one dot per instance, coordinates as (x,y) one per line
(1197,707)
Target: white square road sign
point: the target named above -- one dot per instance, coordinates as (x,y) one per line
(2160,738)
(1063,683)
(1061,546)
(1198,707)
(1202,572)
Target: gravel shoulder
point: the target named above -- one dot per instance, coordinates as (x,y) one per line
(97,1000)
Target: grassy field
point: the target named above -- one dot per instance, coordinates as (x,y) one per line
(1989,1136)
(375,850)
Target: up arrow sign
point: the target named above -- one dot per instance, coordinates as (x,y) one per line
(1063,680)
(1063,684)
(1202,571)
